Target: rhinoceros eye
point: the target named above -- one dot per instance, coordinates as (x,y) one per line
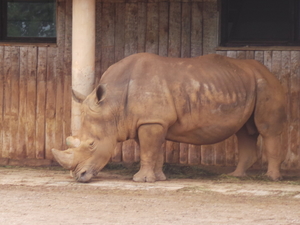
(90,142)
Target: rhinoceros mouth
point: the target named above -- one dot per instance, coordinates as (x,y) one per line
(84,176)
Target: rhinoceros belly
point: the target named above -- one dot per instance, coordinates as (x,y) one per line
(210,124)
(202,135)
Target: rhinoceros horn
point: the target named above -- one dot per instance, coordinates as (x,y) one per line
(64,158)
(78,97)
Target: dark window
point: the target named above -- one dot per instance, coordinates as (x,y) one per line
(260,22)
(28,21)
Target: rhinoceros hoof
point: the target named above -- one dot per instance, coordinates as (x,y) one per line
(275,176)
(144,177)
(237,174)
(160,176)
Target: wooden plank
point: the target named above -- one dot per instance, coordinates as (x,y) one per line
(197,29)
(152,28)
(119,32)
(294,111)
(224,53)
(59,74)
(268,59)
(22,147)
(174,48)
(259,56)
(117,155)
(276,63)
(231,151)
(186,30)
(50,103)
(14,73)
(219,154)
(107,36)
(59,107)
(241,54)
(163,27)
(172,152)
(194,155)
(285,70)
(131,36)
(40,101)
(7,103)
(210,25)
(183,153)
(1,97)
(67,72)
(250,54)
(142,26)
(31,96)
(98,53)
(284,80)
(67,106)
(232,54)
(207,155)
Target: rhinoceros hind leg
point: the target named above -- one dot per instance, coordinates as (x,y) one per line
(270,120)
(151,137)
(247,145)
(275,156)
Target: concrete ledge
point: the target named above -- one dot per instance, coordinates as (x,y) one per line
(27,162)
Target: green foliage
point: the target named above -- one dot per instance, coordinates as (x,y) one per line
(31,19)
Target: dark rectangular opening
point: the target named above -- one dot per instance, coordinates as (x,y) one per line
(260,22)
(28,21)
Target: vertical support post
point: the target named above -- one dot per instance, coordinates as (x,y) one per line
(83,54)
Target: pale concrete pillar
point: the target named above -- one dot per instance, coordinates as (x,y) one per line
(83,54)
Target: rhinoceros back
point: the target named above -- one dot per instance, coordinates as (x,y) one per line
(199,100)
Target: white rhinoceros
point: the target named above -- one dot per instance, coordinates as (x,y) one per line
(201,100)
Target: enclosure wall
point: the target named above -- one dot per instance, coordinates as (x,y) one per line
(35,93)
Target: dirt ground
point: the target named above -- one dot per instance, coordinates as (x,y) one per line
(51,196)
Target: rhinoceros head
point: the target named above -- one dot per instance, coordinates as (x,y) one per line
(91,149)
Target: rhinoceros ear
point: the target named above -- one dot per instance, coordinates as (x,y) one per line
(100,92)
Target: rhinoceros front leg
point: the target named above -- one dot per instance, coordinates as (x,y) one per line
(158,170)
(151,137)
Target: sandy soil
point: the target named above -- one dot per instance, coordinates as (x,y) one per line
(46,196)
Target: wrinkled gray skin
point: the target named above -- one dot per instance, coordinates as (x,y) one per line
(201,100)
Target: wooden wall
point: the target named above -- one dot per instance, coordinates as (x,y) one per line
(35,80)
(35,96)
(186,29)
